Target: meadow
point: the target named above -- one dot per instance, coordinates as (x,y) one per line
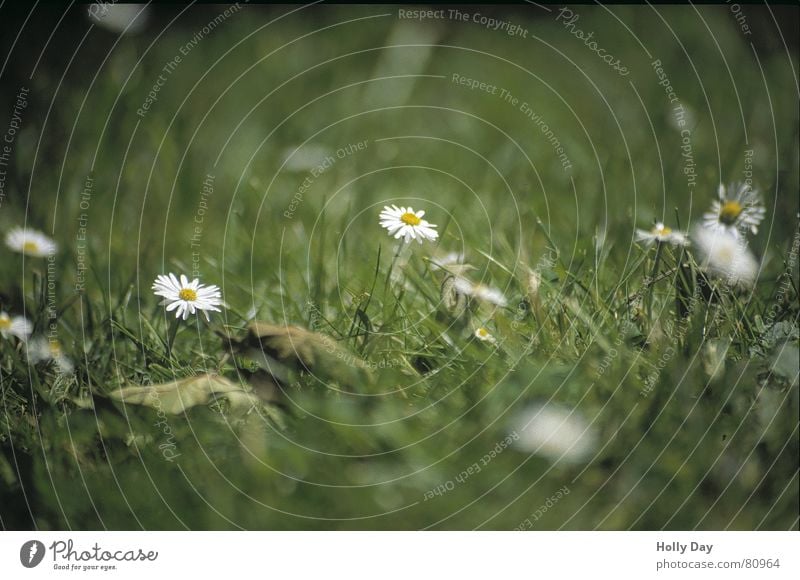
(544,360)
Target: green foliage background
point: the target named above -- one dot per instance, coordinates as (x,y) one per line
(702,450)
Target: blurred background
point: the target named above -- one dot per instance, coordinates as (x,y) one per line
(254,145)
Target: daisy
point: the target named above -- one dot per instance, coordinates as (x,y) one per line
(555,432)
(723,255)
(481,292)
(30,242)
(18,326)
(308,157)
(444,262)
(485,336)
(186,297)
(43,349)
(404,222)
(738,210)
(120,18)
(660,233)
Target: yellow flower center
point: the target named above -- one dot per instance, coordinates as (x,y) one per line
(187,294)
(5,323)
(30,247)
(730,211)
(662,231)
(410,219)
(483,333)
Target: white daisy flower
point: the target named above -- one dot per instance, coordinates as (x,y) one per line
(186,297)
(660,233)
(737,211)
(42,349)
(555,432)
(120,18)
(404,222)
(18,326)
(723,255)
(480,291)
(485,336)
(30,242)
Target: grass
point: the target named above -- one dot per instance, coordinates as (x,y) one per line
(693,406)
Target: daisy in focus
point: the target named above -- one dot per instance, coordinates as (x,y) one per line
(723,255)
(30,242)
(18,326)
(480,291)
(661,234)
(187,297)
(404,222)
(737,211)
(43,349)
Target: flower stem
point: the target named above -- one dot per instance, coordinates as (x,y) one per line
(174,326)
(397,253)
(652,279)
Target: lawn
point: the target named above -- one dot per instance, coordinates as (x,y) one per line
(538,364)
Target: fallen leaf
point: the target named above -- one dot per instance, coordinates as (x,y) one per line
(274,347)
(178,396)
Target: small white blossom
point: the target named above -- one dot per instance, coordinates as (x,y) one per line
(187,297)
(446,261)
(485,336)
(724,255)
(119,17)
(737,211)
(30,242)
(18,326)
(42,349)
(660,233)
(480,291)
(308,157)
(404,222)
(555,432)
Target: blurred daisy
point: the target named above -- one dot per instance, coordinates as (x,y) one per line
(120,18)
(660,233)
(480,291)
(737,211)
(555,432)
(404,222)
(447,260)
(723,255)
(18,326)
(485,336)
(43,349)
(308,157)
(30,242)
(186,297)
